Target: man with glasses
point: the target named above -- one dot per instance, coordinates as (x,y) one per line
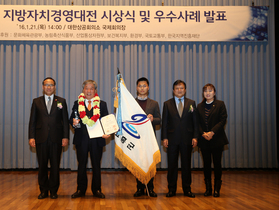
(48,132)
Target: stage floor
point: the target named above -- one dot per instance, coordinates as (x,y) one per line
(240,190)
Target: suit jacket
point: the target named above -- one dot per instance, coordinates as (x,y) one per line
(81,133)
(152,107)
(176,128)
(217,118)
(42,124)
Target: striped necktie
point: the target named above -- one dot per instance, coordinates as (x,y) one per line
(49,104)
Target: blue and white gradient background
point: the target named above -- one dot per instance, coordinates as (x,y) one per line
(257,28)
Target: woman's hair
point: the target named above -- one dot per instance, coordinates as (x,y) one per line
(210,86)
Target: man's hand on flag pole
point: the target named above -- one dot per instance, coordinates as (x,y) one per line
(150,117)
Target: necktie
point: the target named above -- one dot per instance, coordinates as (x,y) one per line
(89,105)
(49,104)
(180,108)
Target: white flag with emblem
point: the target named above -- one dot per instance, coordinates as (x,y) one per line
(135,143)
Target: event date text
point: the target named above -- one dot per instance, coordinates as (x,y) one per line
(40,27)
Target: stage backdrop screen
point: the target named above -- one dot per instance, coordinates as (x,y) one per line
(133,23)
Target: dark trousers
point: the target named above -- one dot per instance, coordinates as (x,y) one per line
(214,154)
(89,145)
(49,151)
(185,153)
(150,185)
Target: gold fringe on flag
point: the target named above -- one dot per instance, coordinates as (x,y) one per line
(134,168)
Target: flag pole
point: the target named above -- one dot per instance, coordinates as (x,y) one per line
(119,115)
(147,190)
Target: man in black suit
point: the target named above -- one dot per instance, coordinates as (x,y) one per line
(151,108)
(48,132)
(179,134)
(87,109)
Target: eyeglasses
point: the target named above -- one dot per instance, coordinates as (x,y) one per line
(49,85)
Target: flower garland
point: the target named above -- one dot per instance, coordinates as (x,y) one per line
(96,110)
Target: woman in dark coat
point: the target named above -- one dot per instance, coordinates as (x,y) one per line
(212,115)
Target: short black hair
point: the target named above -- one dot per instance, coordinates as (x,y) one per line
(177,82)
(49,78)
(142,79)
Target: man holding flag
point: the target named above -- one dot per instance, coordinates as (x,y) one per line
(151,108)
(135,143)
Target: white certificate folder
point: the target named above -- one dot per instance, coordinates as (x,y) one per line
(106,125)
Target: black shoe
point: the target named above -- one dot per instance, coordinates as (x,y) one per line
(217,187)
(152,193)
(189,194)
(170,194)
(53,195)
(139,193)
(208,186)
(43,195)
(216,194)
(99,194)
(78,194)
(208,192)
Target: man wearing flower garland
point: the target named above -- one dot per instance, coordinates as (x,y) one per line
(48,132)
(88,108)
